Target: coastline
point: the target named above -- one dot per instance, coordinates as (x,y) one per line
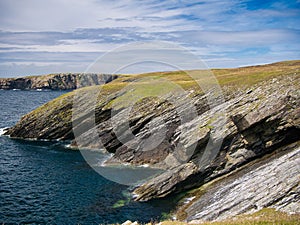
(262,116)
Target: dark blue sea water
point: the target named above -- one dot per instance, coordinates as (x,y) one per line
(44,183)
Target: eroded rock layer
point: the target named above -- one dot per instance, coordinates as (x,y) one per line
(194,140)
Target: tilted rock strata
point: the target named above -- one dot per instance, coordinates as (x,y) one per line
(247,126)
(256,124)
(273,184)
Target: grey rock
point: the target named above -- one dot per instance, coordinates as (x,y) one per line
(168,181)
(61,81)
(255,124)
(195,149)
(274,184)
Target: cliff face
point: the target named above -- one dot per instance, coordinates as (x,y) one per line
(63,81)
(255,121)
(271,182)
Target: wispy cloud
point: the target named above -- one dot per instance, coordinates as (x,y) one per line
(65,35)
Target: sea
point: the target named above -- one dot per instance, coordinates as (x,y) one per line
(47,183)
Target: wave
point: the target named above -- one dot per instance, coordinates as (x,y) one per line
(2,130)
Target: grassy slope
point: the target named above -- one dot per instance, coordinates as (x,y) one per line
(237,77)
(159,83)
(253,74)
(232,78)
(262,217)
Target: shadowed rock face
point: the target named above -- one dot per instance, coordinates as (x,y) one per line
(62,81)
(256,124)
(218,140)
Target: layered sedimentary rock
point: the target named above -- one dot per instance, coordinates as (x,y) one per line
(198,141)
(272,182)
(256,123)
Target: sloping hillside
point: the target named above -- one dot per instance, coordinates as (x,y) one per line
(252,125)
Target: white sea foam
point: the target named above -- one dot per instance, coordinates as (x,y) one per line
(68,146)
(144,165)
(134,195)
(2,130)
(103,158)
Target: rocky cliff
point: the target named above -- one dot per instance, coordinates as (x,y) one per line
(62,81)
(269,182)
(198,142)
(257,122)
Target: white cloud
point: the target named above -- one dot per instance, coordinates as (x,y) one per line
(62,15)
(221,32)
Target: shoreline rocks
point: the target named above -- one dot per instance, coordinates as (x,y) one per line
(254,126)
(272,184)
(193,151)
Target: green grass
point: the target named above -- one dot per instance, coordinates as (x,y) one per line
(265,216)
(146,87)
(134,88)
(139,86)
(237,77)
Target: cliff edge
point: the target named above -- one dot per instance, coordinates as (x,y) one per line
(61,81)
(258,120)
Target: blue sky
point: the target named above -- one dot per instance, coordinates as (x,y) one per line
(40,37)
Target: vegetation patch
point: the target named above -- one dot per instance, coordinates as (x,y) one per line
(267,216)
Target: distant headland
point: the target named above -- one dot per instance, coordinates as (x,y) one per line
(60,81)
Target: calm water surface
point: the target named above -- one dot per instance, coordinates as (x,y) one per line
(43,183)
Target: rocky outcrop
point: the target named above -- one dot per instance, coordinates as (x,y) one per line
(192,141)
(257,122)
(51,121)
(62,81)
(271,183)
